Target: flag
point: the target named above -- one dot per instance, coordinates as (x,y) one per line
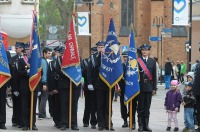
(35,56)
(132,88)
(111,70)
(71,61)
(4,66)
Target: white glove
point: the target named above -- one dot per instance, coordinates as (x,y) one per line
(90,87)
(39,93)
(28,71)
(16,93)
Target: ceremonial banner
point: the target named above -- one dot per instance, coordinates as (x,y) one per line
(132,88)
(180,12)
(4,66)
(71,61)
(35,56)
(83,23)
(111,70)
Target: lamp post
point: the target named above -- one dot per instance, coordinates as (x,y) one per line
(158,22)
(89,3)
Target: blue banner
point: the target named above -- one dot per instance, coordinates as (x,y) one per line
(74,73)
(35,56)
(4,66)
(111,70)
(132,87)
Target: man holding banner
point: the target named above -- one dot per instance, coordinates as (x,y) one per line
(147,70)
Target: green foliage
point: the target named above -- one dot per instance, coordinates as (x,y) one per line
(55,13)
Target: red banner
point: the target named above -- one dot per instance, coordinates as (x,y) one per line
(71,55)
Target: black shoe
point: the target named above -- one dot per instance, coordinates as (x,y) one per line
(85,125)
(176,129)
(125,125)
(14,124)
(34,128)
(19,126)
(168,129)
(2,126)
(133,127)
(111,129)
(101,128)
(63,128)
(93,126)
(25,128)
(75,128)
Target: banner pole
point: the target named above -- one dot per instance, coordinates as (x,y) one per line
(109,120)
(31,113)
(70,104)
(130,116)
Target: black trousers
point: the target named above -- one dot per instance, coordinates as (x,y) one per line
(25,107)
(16,117)
(3,105)
(102,97)
(56,109)
(144,104)
(64,102)
(51,106)
(123,107)
(198,108)
(90,108)
(134,108)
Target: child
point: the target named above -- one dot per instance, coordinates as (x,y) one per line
(188,103)
(172,104)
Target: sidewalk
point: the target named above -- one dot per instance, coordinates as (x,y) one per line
(158,117)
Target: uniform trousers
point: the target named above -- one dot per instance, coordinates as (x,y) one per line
(64,102)
(102,97)
(25,107)
(144,104)
(16,110)
(3,105)
(90,107)
(56,109)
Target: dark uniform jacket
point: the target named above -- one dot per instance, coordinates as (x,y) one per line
(23,75)
(145,84)
(14,82)
(122,81)
(196,84)
(84,66)
(52,77)
(63,81)
(93,72)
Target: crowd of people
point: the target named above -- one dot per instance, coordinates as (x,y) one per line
(54,88)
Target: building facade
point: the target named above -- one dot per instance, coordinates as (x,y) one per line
(143,14)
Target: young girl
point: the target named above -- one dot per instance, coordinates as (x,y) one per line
(172,104)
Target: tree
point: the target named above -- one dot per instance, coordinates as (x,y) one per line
(55,13)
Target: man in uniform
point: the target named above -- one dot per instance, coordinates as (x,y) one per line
(124,112)
(16,121)
(90,98)
(102,90)
(147,71)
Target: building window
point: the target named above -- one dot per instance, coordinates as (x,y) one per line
(4,1)
(28,1)
(127,15)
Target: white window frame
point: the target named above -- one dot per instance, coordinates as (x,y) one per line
(28,1)
(5,1)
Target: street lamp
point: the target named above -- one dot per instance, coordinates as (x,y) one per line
(89,2)
(158,22)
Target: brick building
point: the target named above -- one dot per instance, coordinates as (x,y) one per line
(143,13)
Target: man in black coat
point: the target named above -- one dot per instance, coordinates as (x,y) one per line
(147,71)
(90,94)
(16,120)
(196,91)
(102,90)
(168,73)
(3,99)
(63,86)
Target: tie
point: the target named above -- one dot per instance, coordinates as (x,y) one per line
(145,61)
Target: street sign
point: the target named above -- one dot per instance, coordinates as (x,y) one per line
(166,32)
(154,38)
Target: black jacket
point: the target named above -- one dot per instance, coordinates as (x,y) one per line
(196,84)
(168,68)
(189,99)
(148,86)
